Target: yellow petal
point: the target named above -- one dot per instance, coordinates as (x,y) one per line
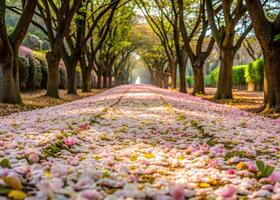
(17,195)
(241,166)
(48,174)
(149,155)
(204,185)
(13,182)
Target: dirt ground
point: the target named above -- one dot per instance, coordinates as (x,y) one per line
(35,100)
(242,99)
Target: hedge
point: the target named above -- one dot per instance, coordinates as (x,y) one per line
(238,75)
(23,72)
(255,71)
(33,70)
(190,81)
(35,74)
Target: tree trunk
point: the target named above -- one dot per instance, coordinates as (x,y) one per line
(165,81)
(198,80)
(173,69)
(9,87)
(110,81)
(266,31)
(99,80)
(71,79)
(159,79)
(53,60)
(105,82)
(86,82)
(224,87)
(182,71)
(86,76)
(272,79)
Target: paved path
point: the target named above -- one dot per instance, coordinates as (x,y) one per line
(139,142)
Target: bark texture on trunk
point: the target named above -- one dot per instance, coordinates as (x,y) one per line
(10,90)
(272,79)
(71,79)
(198,80)
(110,81)
(99,80)
(159,79)
(173,69)
(224,87)
(86,82)
(53,60)
(266,31)
(105,81)
(182,75)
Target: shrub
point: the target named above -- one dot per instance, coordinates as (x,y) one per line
(62,76)
(25,52)
(238,74)
(213,77)
(44,71)
(23,72)
(41,58)
(255,71)
(35,74)
(190,81)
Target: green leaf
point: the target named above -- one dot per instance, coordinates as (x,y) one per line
(4,190)
(260,166)
(5,163)
(268,171)
(277,38)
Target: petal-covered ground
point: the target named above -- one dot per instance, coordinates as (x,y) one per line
(139,142)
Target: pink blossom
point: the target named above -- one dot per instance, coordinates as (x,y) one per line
(69,141)
(25,51)
(252,167)
(227,191)
(204,147)
(84,183)
(178,193)
(4,172)
(274,177)
(213,163)
(251,153)
(230,171)
(91,194)
(84,127)
(33,157)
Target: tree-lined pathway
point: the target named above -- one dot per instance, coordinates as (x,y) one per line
(140,142)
